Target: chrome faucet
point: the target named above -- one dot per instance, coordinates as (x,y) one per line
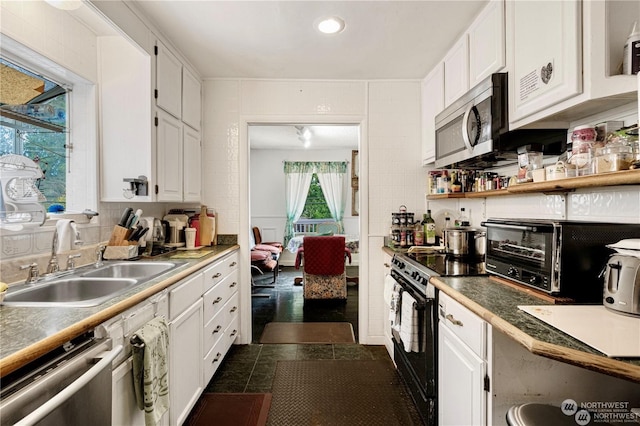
(71,263)
(33,274)
(53,266)
(99,252)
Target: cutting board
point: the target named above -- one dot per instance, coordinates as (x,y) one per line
(206,227)
(613,334)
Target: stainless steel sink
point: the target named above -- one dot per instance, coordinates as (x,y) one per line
(87,286)
(131,270)
(71,292)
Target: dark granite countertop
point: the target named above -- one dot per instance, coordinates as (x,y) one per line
(29,332)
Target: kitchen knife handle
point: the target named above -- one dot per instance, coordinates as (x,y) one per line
(125,217)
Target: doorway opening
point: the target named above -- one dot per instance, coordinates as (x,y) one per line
(270,146)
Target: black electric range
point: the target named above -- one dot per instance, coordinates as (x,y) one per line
(446,265)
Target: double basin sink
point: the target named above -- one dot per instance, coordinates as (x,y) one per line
(87,286)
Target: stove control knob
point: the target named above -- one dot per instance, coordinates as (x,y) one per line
(609,299)
(512,272)
(425,280)
(534,279)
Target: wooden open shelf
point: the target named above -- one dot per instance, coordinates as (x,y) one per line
(625,177)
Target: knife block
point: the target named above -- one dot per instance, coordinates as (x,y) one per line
(119,237)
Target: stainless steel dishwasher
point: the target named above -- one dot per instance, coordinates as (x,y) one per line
(69,386)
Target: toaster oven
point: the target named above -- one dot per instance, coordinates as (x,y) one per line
(562,258)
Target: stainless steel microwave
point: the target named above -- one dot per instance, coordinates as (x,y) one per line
(473,132)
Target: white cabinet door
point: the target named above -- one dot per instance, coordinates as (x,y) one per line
(186,377)
(169,164)
(191,99)
(125,117)
(456,71)
(487,42)
(547,59)
(432,104)
(461,395)
(168,81)
(192,165)
(124,409)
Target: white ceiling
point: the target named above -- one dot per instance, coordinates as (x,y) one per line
(277,39)
(286,137)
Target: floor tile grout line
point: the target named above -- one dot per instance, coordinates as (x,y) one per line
(255,362)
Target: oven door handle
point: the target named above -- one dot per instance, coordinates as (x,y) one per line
(45,409)
(504,225)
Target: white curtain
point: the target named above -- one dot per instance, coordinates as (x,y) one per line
(331,176)
(297,177)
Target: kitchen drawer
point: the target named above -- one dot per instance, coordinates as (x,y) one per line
(230,284)
(214,358)
(469,327)
(232,307)
(219,270)
(214,300)
(213,330)
(184,294)
(231,332)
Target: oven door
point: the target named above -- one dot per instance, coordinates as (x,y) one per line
(418,369)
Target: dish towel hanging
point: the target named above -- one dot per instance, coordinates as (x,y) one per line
(66,235)
(394,308)
(409,323)
(150,369)
(389,284)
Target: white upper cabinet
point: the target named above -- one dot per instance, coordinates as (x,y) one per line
(126,131)
(487,43)
(191,99)
(192,185)
(168,81)
(432,104)
(546,45)
(456,71)
(169,157)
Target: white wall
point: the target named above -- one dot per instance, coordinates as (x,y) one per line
(388,113)
(267,187)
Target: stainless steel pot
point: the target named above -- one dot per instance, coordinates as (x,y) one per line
(465,242)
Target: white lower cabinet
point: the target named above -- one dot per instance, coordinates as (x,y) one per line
(463,382)
(185,362)
(124,410)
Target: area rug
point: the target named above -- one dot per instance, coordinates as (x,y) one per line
(340,392)
(230,409)
(307,332)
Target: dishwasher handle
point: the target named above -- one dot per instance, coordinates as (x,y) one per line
(62,396)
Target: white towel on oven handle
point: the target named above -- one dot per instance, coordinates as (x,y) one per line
(409,323)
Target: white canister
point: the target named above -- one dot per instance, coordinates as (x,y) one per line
(190,237)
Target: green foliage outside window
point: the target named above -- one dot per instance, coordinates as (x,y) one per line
(316,206)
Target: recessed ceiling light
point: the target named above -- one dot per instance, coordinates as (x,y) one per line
(65,4)
(331,25)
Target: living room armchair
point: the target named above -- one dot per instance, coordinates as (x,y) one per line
(323,260)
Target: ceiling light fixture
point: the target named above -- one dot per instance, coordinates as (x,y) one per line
(304,135)
(65,4)
(331,25)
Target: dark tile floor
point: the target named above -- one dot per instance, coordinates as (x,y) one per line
(251,368)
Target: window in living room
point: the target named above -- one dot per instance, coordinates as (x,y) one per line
(316,205)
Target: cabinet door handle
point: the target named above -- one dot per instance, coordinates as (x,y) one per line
(386,265)
(218,328)
(232,264)
(233,284)
(233,333)
(217,358)
(216,275)
(232,310)
(453,320)
(218,299)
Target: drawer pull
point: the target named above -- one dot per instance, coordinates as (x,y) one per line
(217,358)
(218,328)
(232,264)
(453,320)
(232,310)
(233,284)
(233,333)
(216,275)
(218,299)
